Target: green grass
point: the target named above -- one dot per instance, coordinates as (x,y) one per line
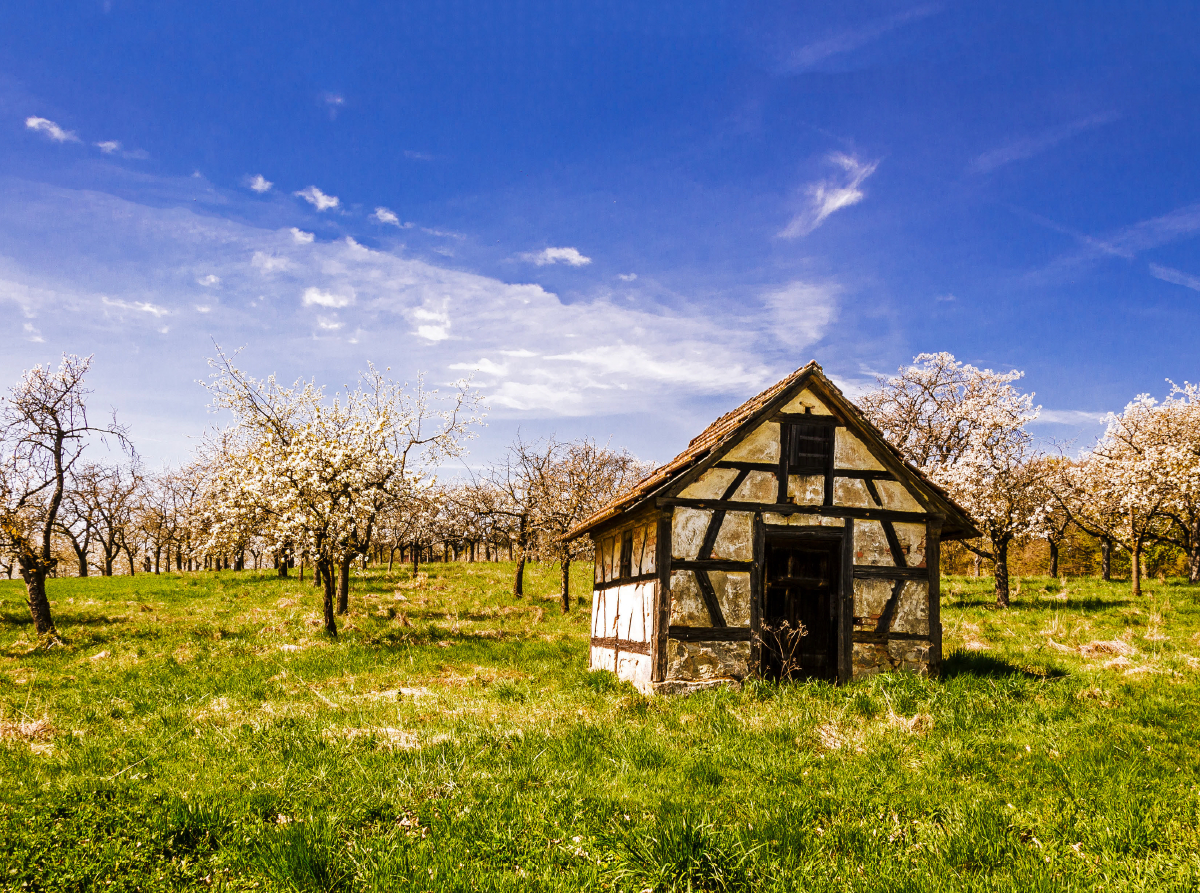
(199,731)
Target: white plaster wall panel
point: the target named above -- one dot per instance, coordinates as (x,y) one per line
(850,452)
(612,610)
(603,659)
(735,539)
(895,497)
(634,668)
(870,597)
(606,557)
(851,492)
(806,399)
(760,445)
(687,604)
(759,486)
(645,538)
(871,545)
(710,485)
(912,612)
(912,541)
(598,612)
(687,532)
(802,520)
(806,489)
(637,601)
(733,595)
(707,660)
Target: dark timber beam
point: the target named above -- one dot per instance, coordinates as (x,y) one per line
(882,572)
(829,511)
(710,633)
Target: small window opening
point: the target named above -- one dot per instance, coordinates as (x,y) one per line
(809,448)
(627,555)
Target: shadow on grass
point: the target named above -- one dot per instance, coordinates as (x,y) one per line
(62,620)
(1045,604)
(974,663)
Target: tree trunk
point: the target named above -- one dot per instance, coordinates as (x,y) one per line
(301,570)
(283,565)
(566,585)
(343,587)
(325,574)
(1194,554)
(1053,558)
(519,577)
(391,558)
(39,604)
(1000,562)
(83,562)
(416,554)
(129,555)
(978,565)
(1106,559)
(1135,568)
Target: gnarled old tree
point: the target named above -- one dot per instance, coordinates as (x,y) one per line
(44,429)
(580,478)
(311,471)
(965,428)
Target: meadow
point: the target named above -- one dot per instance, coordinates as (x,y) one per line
(198,731)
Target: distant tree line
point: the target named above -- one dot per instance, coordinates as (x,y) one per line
(303,481)
(1136,489)
(298,481)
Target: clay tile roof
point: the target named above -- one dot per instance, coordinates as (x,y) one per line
(959,525)
(698,448)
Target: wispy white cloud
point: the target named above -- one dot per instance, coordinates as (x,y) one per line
(605,356)
(830,195)
(946,298)
(1071,417)
(803,310)
(813,54)
(389,217)
(301,237)
(1175,277)
(1126,243)
(333,102)
(314,295)
(329,325)
(259,183)
(1027,147)
(136,306)
(210,281)
(51,130)
(317,198)
(483,364)
(269,263)
(433,325)
(627,277)
(33,334)
(569,256)
(109,146)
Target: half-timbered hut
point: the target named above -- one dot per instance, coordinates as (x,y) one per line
(788,539)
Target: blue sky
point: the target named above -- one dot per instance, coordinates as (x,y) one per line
(623,217)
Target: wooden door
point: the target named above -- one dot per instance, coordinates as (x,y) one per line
(800,613)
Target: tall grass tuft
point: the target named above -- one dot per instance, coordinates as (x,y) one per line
(681,852)
(305,857)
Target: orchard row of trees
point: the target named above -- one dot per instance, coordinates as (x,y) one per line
(302,479)
(967,429)
(298,479)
